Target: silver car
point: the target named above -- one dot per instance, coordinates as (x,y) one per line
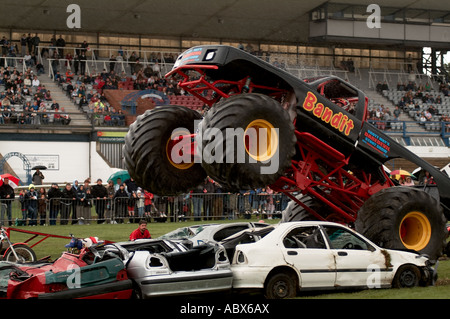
(164,267)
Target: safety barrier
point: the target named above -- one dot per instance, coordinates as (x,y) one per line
(192,206)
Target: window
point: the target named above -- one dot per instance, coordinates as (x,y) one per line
(304,237)
(341,238)
(228,231)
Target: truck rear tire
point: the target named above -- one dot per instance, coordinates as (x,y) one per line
(238,161)
(295,212)
(147,155)
(404,218)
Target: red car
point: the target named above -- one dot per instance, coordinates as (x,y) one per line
(87,275)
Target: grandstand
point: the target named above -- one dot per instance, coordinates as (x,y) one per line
(305,39)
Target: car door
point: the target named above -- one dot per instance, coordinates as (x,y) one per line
(304,248)
(358,263)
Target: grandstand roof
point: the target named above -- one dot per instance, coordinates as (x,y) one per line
(257,20)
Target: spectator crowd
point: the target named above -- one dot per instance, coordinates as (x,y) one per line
(420,102)
(123,201)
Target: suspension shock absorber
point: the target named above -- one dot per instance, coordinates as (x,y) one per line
(246,87)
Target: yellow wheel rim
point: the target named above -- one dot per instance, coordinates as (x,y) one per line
(260,140)
(169,147)
(415,231)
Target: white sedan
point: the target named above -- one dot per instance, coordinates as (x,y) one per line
(322,255)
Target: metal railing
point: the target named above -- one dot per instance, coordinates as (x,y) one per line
(192,206)
(37,119)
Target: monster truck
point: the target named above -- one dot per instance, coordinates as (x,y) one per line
(308,137)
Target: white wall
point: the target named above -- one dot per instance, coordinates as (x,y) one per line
(396,31)
(429,151)
(75,160)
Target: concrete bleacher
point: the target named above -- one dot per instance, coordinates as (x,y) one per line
(432,124)
(77,117)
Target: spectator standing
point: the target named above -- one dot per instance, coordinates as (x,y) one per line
(109,205)
(209,190)
(121,203)
(140,203)
(82,63)
(100,195)
(36,41)
(112,63)
(270,207)
(79,203)
(31,203)
(42,206)
(60,43)
(23,44)
(38,177)
(84,47)
(84,203)
(54,195)
(7,196)
(131,188)
(30,43)
(68,196)
(148,205)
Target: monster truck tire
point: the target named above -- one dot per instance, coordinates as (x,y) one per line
(146,153)
(238,166)
(295,212)
(404,218)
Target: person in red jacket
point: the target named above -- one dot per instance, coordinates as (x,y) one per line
(141,232)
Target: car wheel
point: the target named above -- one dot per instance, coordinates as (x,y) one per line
(150,145)
(404,218)
(247,141)
(407,276)
(280,286)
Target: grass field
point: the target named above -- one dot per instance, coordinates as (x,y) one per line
(120,232)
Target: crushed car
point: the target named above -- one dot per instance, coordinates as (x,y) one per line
(204,233)
(160,267)
(82,275)
(310,255)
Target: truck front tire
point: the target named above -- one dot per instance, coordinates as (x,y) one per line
(404,218)
(232,155)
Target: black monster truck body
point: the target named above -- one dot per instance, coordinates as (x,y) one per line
(326,151)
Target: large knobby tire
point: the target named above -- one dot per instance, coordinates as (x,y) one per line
(147,153)
(280,286)
(24,253)
(231,132)
(295,212)
(404,218)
